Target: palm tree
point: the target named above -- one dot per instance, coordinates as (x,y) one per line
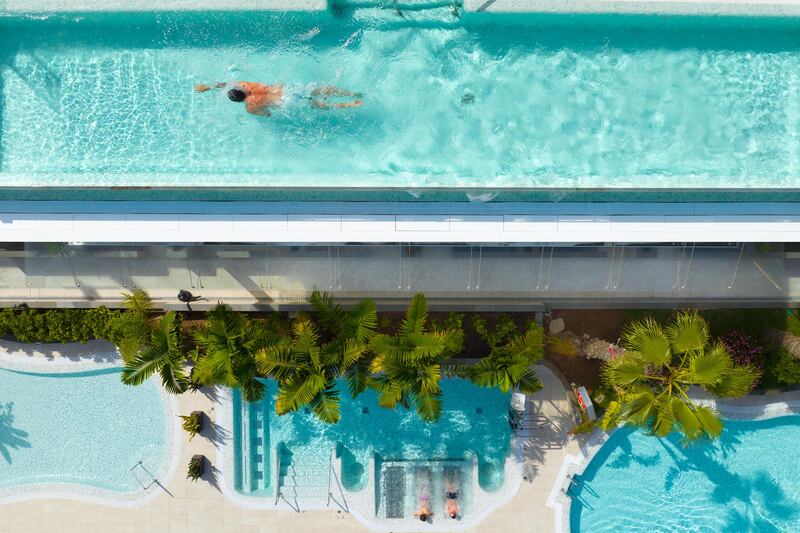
(652,377)
(226,351)
(508,366)
(160,354)
(308,365)
(305,372)
(348,334)
(132,329)
(408,365)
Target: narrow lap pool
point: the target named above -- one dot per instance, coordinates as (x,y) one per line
(746,481)
(85,429)
(474,423)
(480,101)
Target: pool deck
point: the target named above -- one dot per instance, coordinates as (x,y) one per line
(664,7)
(201,507)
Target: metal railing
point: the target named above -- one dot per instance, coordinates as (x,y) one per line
(333,477)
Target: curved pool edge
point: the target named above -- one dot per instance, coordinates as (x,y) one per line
(224,457)
(751,407)
(20,361)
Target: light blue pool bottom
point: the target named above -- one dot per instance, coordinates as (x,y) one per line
(748,480)
(85,429)
(559,101)
(474,422)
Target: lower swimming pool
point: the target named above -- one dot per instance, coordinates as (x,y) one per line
(474,423)
(85,428)
(745,481)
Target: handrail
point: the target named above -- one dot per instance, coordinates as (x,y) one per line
(332,473)
(277,475)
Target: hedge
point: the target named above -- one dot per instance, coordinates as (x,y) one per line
(58,325)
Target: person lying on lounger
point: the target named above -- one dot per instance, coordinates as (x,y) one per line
(258,98)
(424,492)
(451,487)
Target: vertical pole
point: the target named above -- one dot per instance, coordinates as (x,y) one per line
(736,269)
(688,267)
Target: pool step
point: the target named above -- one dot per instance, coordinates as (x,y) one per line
(258,431)
(303,477)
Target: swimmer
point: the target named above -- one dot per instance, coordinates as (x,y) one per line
(258,98)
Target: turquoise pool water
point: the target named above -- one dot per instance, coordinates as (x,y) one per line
(82,428)
(557,101)
(474,422)
(747,481)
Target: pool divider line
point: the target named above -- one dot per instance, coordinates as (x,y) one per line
(83,493)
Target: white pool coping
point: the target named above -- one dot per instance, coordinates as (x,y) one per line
(101,355)
(659,7)
(362,501)
(651,7)
(283,222)
(753,407)
(54,6)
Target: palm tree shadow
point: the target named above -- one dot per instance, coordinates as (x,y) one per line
(624,460)
(759,489)
(11,438)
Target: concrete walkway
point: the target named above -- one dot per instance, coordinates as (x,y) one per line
(201,508)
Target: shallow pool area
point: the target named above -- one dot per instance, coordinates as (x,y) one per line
(373,458)
(533,101)
(81,433)
(745,481)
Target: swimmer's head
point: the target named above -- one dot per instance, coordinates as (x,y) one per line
(237,95)
(468,98)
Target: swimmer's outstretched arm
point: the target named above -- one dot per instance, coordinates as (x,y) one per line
(201,88)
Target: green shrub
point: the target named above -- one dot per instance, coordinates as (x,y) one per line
(783,367)
(193,423)
(504,329)
(58,325)
(196,467)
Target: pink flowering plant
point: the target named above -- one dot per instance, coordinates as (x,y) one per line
(743,349)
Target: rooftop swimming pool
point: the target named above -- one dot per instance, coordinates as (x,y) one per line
(745,481)
(479,101)
(390,448)
(85,429)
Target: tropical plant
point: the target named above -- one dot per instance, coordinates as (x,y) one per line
(133,328)
(561,346)
(308,365)
(162,354)
(508,366)
(652,377)
(504,328)
(226,348)
(196,467)
(58,325)
(408,364)
(193,423)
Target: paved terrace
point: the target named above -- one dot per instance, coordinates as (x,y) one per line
(201,508)
(270,254)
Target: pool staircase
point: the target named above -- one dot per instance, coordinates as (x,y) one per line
(304,478)
(38,76)
(256,475)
